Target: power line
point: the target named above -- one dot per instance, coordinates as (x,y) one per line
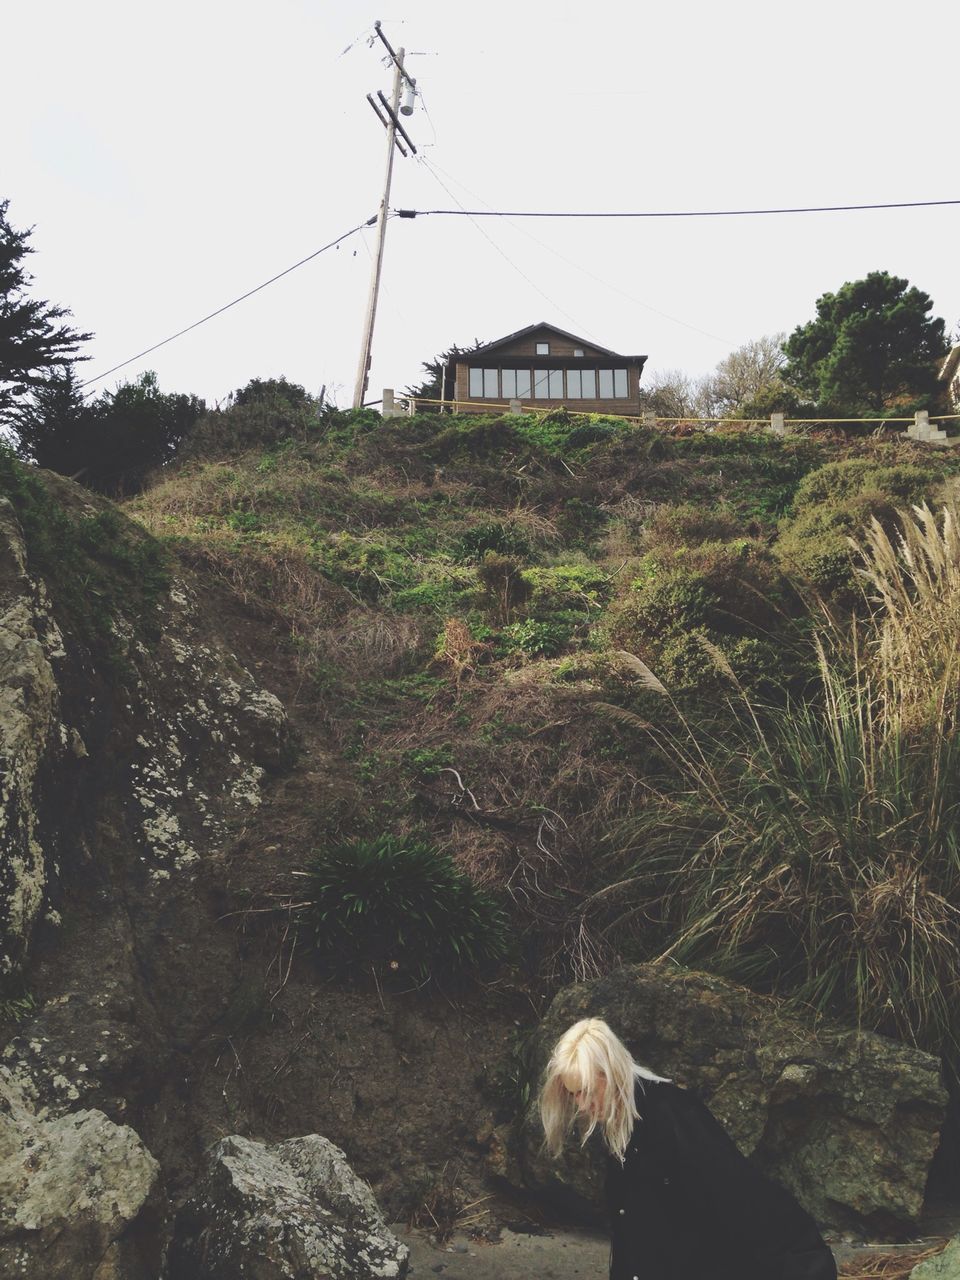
(226,307)
(519,270)
(433,166)
(674,213)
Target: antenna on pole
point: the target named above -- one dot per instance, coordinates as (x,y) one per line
(388,113)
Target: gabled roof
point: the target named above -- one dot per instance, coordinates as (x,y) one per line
(535,328)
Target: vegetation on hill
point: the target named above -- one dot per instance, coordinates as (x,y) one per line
(486,613)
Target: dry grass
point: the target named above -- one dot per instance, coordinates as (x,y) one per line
(815,851)
(458,650)
(888,1266)
(364,643)
(913,584)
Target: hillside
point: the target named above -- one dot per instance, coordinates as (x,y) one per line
(446,632)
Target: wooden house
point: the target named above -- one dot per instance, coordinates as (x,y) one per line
(546,367)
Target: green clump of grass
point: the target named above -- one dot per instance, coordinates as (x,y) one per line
(399,906)
(99,569)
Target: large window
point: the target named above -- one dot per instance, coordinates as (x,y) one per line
(613,384)
(581,384)
(484,384)
(549,384)
(515,383)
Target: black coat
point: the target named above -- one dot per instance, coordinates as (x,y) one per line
(686,1205)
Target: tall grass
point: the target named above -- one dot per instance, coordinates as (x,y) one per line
(814,851)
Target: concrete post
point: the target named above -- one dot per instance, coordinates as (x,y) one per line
(515,407)
(649,418)
(922,429)
(388,408)
(777,424)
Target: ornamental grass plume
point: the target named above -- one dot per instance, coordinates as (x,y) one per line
(813,851)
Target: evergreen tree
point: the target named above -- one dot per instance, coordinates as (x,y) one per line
(873,346)
(34,343)
(429,388)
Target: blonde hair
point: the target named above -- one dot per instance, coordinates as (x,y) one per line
(586,1052)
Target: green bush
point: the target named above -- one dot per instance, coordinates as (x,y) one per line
(535,638)
(580,521)
(690,523)
(505,539)
(589,433)
(399,906)
(839,481)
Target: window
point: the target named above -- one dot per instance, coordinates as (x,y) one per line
(581,384)
(556,384)
(541,384)
(484,384)
(543,348)
(613,384)
(578,351)
(515,383)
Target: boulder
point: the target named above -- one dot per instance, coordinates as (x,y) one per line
(77,1195)
(848,1121)
(944,1266)
(295,1211)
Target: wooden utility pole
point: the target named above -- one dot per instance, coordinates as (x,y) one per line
(389,117)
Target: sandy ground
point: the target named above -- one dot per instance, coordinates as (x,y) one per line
(553,1255)
(546,1255)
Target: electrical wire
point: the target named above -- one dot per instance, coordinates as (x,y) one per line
(674,213)
(519,270)
(684,324)
(226,307)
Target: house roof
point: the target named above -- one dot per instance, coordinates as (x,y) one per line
(536,328)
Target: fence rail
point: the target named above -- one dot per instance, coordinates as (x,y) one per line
(920,425)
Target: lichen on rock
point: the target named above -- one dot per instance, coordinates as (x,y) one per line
(294,1210)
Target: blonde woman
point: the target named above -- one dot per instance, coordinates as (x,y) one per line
(684,1203)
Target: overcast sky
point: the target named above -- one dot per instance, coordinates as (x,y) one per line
(172,156)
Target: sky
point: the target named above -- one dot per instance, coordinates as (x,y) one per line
(170,158)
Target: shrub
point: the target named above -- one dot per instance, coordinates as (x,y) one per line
(399,905)
(505,539)
(838,481)
(536,639)
(837,502)
(580,521)
(589,433)
(503,584)
(266,416)
(690,523)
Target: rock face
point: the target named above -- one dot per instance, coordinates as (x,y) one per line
(29,704)
(847,1121)
(77,1196)
(295,1211)
(168,725)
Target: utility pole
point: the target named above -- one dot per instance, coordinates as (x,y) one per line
(389,116)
